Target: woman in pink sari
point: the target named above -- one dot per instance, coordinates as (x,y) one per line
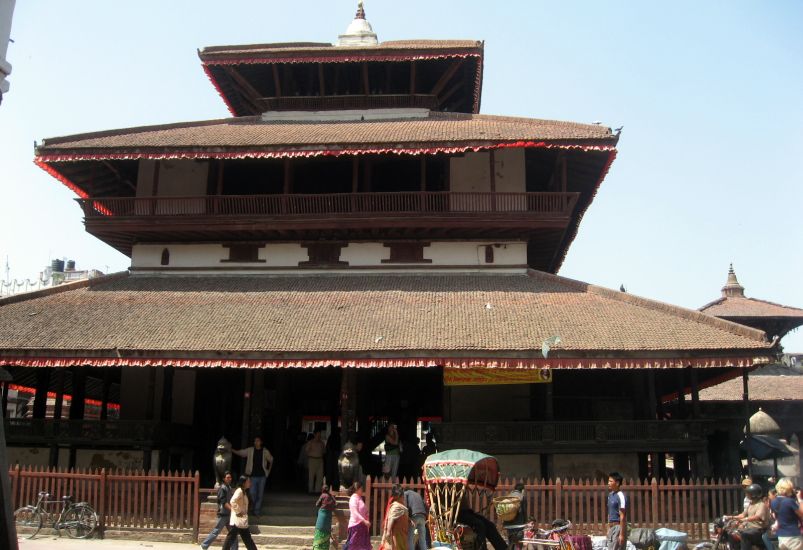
(359,537)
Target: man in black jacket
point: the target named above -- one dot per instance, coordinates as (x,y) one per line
(224,493)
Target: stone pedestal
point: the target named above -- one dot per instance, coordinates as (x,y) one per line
(207,517)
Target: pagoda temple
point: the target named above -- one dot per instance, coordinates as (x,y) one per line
(356,244)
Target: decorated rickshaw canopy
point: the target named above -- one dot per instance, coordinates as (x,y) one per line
(464,466)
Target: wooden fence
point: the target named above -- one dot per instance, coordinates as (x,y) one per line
(123,500)
(687,506)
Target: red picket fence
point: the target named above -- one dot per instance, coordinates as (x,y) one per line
(123,500)
(687,506)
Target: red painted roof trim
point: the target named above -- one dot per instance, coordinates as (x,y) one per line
(345,58)
(212,79)
(502,363)
(43,164)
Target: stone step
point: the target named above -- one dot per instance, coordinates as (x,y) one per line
(284,520)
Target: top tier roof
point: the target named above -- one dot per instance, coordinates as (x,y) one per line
(444,75)
(775,319)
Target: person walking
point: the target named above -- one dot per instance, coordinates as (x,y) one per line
(418,515)
(396,530)
(224,494)
(258,462)
(617,513)
(315,449)
(238,518)
(789,514)
(358,535)
(392,452)
(326,506)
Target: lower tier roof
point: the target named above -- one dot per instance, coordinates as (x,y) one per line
(363,320)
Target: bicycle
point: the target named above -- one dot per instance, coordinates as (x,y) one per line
(528,537)
(78,519)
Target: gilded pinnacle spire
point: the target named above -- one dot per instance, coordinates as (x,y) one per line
(732,287)
(360,11)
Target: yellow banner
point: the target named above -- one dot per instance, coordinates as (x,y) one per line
(480,376)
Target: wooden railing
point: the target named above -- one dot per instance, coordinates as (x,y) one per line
(47,430)
(123,500)
(528,435)
(687,506)
(423,203)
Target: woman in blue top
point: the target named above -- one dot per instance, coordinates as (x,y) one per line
(789,515)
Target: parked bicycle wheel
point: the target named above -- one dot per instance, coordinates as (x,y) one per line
(80,521)
(28,520)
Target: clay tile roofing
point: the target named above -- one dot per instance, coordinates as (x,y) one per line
(741,307)
(435,48)
(252,134)
(498,320)
(761,387)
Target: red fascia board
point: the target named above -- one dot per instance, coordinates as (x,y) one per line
(459,362)
(45,161)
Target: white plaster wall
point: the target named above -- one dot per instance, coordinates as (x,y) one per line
(6,12)
(473,253)
(445,254)
(509,164)
(183,396)
(361,254)
(194,255)
(283,254)
(504,402)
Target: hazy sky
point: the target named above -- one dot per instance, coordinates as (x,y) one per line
(710,95)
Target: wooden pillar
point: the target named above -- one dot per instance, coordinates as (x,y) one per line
(695,393)
(549,401)
(257,403)
(4,399)
(746,408)
(348,402)
(42,387)
(366,168)
(166,408)
(78,403)
(8,538)
(681,407)
(58,405)
(652,399)
(150,401)
(246,437)
(492,169)
(107,383)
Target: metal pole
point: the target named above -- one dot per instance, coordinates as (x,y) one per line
(8,532)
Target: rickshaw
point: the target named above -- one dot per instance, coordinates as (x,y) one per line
(450,476)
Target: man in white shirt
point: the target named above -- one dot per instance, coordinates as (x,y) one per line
(258,462)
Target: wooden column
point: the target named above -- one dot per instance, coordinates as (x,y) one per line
(61,375)
(652,399)
(695,393)
(257,403)
(42,387)
(492,167)
(4,399)
(150,401)
(246,438)
(348,402)
(681,408)
(746,408)
(107,383)
(8,538)
(78,403)
(166,408)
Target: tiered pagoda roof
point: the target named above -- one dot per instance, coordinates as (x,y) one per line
(393,320)
(774,319)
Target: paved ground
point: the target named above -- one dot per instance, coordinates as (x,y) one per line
(48,542)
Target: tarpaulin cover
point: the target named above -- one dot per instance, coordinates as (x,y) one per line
(462,465)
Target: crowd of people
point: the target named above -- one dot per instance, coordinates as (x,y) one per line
(778,514)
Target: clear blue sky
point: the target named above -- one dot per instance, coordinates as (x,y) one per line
(710,95)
